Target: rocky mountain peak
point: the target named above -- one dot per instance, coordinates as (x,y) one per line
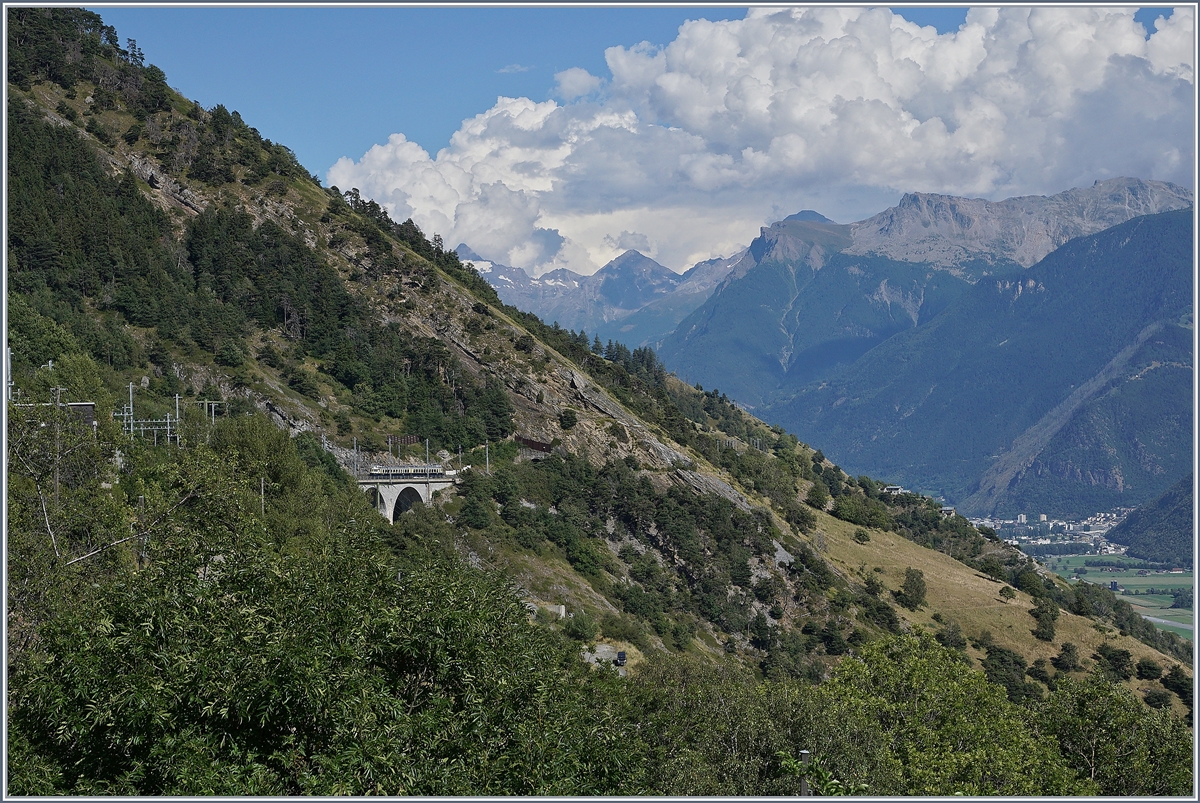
(632,280)
(946,230)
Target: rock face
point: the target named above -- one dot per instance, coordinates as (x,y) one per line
(947,232)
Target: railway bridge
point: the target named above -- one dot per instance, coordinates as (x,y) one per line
(394,489)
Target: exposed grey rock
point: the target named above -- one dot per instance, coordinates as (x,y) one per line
(944,230)
(149,171)
(711,485)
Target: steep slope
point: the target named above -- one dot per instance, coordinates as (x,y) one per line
(1012,383)
(1163,529)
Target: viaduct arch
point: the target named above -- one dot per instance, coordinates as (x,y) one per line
(395,489)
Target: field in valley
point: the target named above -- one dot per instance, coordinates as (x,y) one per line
(1156,606)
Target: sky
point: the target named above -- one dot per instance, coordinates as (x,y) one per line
(560,137)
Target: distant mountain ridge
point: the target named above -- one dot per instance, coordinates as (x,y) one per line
(810,296)
(1064,388)
(632,299)
(946,231)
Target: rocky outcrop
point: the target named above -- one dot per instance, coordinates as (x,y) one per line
(946,231)
(706,484)
(152,173)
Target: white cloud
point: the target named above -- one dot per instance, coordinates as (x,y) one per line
(690,147)
(575,83)
(511,68)
(628,240)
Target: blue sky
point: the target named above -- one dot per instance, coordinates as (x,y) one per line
(331,82)
(681,130)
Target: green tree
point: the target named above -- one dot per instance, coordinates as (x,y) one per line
(1148,669)
(1114,663)
(715,730)
(1067,659)
(1045,612)
(1007,594)
(1177,681)
(912,592)
(953,731)
(818,495)
(1111,738)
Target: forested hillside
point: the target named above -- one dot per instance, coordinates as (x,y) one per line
(218,608)
(1161,530)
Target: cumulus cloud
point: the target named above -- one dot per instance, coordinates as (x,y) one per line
(738,123)
(628,240)
(575,83)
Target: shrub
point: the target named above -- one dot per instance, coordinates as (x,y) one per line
(581,627)
(912,593)
(1148,669)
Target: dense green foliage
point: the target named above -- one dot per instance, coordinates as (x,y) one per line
(289,652)
(179,660)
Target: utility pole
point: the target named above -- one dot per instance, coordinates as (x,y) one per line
(57,438)
(804,790)
(427,451)
(356,458)
(141,519)
(262,496)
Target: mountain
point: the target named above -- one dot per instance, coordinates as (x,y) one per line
(632,300)
(211,354)
(1163,529)
(795,307)
(658,318)
(812,295)
(966,235)
(587,303)
(1062,389)
(809,216)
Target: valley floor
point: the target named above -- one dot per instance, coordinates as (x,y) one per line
(1133,586)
